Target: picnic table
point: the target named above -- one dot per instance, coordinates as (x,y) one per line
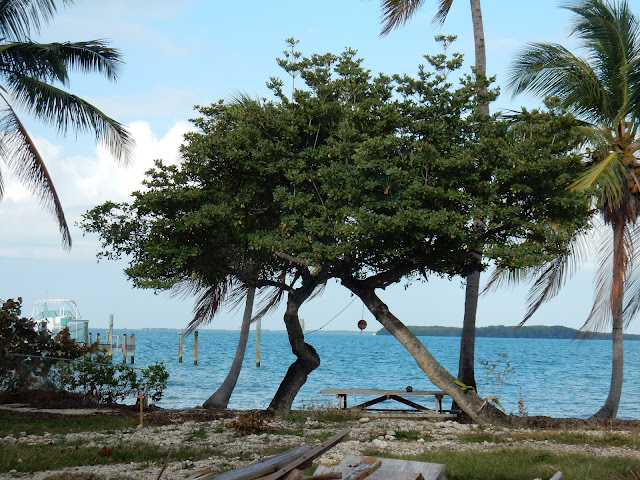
(383,395)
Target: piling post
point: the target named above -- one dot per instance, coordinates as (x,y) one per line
(132,345)
(180,335)
(86,335)
(124,348)
(195,347)
(258,328)
(110,335)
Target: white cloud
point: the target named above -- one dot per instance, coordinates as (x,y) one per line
(82,182)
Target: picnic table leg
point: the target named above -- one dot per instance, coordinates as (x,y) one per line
(409,403)
(439,403)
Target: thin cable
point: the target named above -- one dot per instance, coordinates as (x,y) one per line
(335,316)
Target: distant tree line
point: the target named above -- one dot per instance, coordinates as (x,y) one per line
(505,331)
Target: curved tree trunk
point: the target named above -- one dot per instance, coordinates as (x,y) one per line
(307,357)
(471,404)
(610,408)
(220,398)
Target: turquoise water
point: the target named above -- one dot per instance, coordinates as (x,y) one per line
(560,378)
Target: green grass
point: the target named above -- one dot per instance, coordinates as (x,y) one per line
(519,464)
(33,458)
(14,424)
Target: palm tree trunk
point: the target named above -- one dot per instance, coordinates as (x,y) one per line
(472,405)
(479,44)
(220,398)
(610,408)
(466,367)
(307,357)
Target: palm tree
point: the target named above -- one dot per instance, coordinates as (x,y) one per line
(394,14)
(207,306)
(28,74)
(603,89)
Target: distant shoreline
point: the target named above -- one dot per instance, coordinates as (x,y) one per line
(502,331)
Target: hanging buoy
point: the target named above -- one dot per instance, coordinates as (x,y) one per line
(362,324)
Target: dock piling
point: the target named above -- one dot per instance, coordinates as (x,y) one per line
(180,335)
(132,347)
(195,347)
(258,328)
(124,348)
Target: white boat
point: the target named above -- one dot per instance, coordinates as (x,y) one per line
(55,314)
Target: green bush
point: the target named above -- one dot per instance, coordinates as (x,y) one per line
(32,360)
(23,350)
(97,377)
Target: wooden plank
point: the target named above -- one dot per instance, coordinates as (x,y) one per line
(311,454)
(366,468)
(325,476)
(390,469)
(358,391)
(257,469)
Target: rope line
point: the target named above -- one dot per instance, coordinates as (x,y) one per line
(335,316)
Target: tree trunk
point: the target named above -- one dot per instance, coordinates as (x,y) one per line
(610,408)
(220,398)
(471,404)
(466,366)
(307,357)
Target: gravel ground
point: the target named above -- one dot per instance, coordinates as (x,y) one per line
(387,435)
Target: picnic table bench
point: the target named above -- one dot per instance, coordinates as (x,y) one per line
(382,395)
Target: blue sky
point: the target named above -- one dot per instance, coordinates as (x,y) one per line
(194,52)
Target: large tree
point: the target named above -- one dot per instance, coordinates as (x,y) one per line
(29,73)
(395,14)
(603,88)
(370,180)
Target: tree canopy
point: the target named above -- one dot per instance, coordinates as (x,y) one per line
(354,177)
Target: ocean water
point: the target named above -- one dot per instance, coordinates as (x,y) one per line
(561,378)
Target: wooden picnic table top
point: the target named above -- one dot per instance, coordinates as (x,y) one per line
(361,391)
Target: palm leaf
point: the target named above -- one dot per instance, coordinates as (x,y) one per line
(632,286)
(63,110)
(21,155)
(396,13)
(609,174)
(208,304)
(20,18)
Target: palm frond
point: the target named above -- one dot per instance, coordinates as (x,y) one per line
(632,285)
(600,316)
(21,155)
(609,174)
(611,34)
(545,69)
(271,301)
(396,13)
(20,18)
(208,304)
(64,110)
(443,11)
(94,56)
(504,277)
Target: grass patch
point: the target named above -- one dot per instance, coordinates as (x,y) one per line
(33,458)
(518,464)
(13,423)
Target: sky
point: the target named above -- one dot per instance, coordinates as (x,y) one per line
(195,52)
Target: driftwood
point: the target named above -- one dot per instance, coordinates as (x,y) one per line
(257,469)
(289,465)
(277,466)
(390,469)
